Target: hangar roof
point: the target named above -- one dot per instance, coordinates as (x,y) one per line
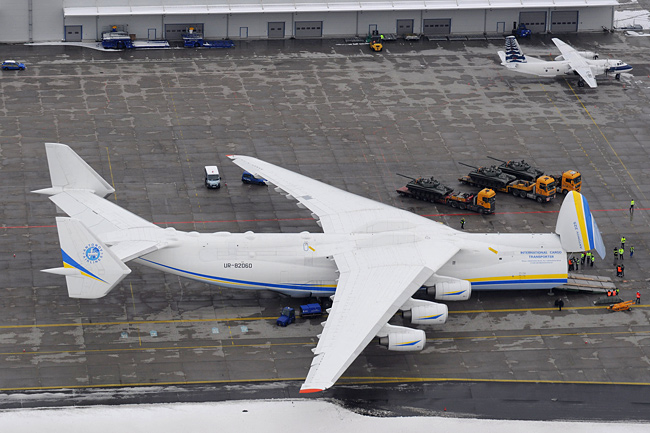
(271,6)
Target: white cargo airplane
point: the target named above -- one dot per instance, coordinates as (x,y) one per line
(571,62)
(372,257)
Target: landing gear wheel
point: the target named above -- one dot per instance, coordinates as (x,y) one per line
(581,83)
(617,76)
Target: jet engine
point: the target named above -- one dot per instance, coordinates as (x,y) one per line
(451,290)
(424,312)
(401,339)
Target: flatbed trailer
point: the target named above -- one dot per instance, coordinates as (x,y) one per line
(196,40)
(569,180)
(542,190)
(484,202)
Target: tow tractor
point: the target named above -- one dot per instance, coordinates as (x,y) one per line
(521,31)
(287,317)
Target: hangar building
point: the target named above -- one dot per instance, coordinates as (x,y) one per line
(85,20)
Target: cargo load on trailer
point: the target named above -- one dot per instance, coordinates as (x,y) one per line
(570,180)
(543,189)
(430,189)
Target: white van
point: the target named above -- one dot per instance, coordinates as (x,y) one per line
(212,178)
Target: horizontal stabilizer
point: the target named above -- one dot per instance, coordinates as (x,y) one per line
(577,227)
(91,269)
(69,172)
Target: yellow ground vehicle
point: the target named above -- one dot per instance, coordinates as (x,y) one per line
(570,180)
(621,306)
(376,43)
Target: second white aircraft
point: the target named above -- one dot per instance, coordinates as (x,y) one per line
(371,256)
(585,64)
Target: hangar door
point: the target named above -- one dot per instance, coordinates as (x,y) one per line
(73,33)
(436,27)
(404,27)
(174,32)
(564,21)
(276,30)
(535,21)
(309,29)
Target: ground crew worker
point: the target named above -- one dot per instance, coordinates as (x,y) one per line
(582,259)
(570,264)
(631,251)
(609,293)
(631,206)
(462,223)
(559,303)
(619,271)
(638,294)
(617,290)
(621,251)
(623,242)
(592,259)
(615,254)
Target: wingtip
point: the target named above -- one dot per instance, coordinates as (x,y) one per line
(310,390)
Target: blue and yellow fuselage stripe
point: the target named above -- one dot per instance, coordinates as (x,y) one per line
(324,288)
(69,262)
(584,221)
(527,279)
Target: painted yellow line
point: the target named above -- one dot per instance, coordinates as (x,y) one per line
(366,380)
(110,169)
(252,319)
(562,334)
(150,349)
(607,141)
(344,379)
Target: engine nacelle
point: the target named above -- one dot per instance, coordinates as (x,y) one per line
(425,312)
(451,290)
(401,339)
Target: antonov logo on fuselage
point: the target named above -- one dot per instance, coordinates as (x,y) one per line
(93,253)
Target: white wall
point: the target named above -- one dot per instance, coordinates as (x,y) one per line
(48,21)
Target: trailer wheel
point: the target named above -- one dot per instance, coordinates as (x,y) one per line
(454,204)
(462,206)
(515,193)
(565,192)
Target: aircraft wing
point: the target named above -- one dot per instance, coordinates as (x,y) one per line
(374,283)
(338,211)
(577,62)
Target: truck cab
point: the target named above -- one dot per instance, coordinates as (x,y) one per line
(487,200)
(212,177)
(545,188)
(571,181)
(248,177)
(287,317)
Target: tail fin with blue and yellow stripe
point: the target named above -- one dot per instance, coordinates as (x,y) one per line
(577,227)
(90,268)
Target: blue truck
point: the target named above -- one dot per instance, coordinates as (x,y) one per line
(195,40)
(116,40)
(248,177)
(288,315)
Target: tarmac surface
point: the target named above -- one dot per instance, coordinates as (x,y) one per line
(148,121)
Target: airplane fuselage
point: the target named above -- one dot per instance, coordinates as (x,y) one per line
(555,68)
(301,264)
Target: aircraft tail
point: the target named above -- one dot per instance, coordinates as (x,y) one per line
(577,227)
(90,268)
(69,172)
(513,53)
